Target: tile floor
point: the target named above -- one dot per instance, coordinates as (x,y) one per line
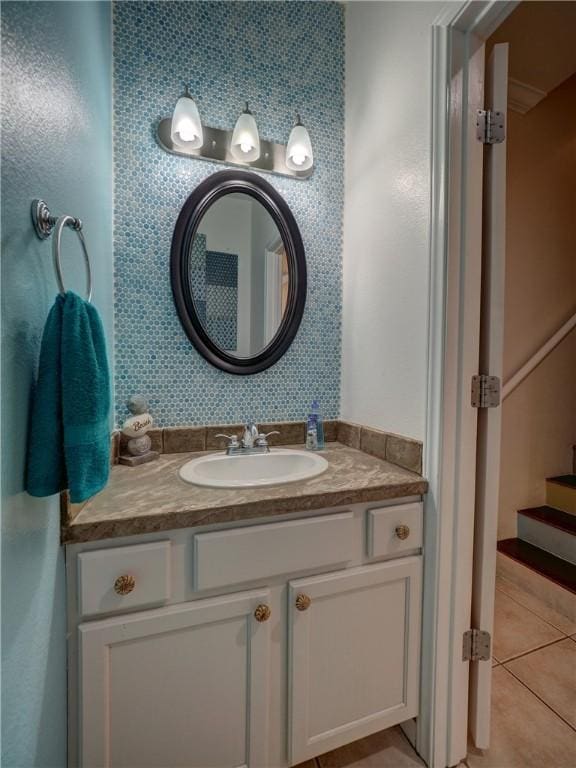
(533,685)
(533,696)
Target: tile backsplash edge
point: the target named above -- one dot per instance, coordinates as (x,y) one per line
(402,451)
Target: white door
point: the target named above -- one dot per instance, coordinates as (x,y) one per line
(354,654)
(491,349)
(185,685)
(458,451)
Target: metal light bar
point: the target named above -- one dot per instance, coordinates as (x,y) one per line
(216,148)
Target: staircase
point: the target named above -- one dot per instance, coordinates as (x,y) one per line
(546,542)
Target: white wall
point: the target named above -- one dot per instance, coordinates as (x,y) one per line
(386,214)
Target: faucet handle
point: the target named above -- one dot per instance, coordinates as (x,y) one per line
(232,440)
(262,439)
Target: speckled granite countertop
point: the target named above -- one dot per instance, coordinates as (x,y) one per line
(152,497)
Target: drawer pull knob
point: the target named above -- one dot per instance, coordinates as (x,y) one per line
(303,602)
(124,584)
(402,531)
(262,612)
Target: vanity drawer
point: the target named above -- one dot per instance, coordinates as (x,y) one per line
(394,530)
(259,552)
(123,578)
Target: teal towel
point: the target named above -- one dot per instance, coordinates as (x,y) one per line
(69,442)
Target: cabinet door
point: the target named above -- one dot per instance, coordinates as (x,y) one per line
(185,685)
(354,656)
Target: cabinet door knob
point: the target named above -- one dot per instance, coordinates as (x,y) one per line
(402,531)
(303,602)
(262,612)
(124,584)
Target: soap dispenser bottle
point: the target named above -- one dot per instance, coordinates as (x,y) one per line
(314,429)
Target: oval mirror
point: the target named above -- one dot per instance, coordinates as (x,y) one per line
(238,272)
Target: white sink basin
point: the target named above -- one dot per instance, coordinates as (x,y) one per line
(281,465)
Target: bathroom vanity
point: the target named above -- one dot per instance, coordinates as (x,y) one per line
(260,627)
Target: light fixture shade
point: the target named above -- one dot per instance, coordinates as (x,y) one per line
(186,130)
(299,156)
(245,145)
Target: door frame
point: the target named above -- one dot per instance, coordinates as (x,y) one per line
(450,455)
(272,297)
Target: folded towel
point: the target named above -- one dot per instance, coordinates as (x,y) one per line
(69,443)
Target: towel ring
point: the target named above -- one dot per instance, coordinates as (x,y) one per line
(75,224)
(44,224)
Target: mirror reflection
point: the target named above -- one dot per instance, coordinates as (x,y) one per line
(239,276)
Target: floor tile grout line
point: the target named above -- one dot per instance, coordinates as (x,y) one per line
(550,607)
(532,650)
(534,612)
(540,699)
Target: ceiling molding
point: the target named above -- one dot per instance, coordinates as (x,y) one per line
(523,97)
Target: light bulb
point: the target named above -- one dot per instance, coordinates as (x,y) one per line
(186,130)
(299,156)
(245,144)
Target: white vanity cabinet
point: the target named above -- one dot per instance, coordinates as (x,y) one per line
(264,644)
(354,650)
(177,686)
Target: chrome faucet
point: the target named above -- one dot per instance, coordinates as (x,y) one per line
(250,435)
(253,441)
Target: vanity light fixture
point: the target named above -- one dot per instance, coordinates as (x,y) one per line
(186,129)
(184,135)
(299,156)
(245,144)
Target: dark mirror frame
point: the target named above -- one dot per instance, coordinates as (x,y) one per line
(205,194)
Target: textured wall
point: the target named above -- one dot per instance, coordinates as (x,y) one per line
(56,143)
(386,215)
(281,57)
(539,418)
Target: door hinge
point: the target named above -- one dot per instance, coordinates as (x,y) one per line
(490,126)
(476,645)
(485,391)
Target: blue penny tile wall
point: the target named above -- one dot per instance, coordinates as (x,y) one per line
(281,57)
